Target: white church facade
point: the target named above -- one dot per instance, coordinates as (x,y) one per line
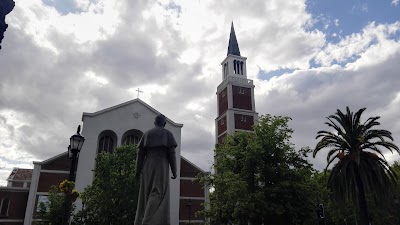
(125,123)
(118,125)
(104,131)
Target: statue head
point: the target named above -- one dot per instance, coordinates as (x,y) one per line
(160,121)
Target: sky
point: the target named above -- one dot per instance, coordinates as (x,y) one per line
(307,59)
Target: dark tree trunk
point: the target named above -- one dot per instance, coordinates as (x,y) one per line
(362,203)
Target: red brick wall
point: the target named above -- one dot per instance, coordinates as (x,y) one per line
(184,209)
(62,163)
(221,127)
(46,180)
(191,189)
(241,101)
(247,125)
(221,138)
(17,206)
(222,101)
(187,170)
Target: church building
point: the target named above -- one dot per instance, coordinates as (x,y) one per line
(125,123)
(104,131)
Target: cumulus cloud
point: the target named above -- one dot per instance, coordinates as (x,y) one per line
(353,46)
(371,81)
(55,65)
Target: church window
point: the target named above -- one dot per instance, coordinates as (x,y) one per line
(241,68)
(5,203)
(107,141)
(131,140)
(243,119)
(131,137)
(106,144)
(234,66)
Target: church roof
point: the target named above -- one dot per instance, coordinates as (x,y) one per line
(128,103)
(196,168)
(20,174)
(233,47)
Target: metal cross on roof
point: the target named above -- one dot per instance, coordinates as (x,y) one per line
(138,91)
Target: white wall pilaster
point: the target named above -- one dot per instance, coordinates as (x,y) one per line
(30,206)
(229,95)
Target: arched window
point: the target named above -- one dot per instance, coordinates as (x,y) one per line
(241,68)
(106,144)
(131,140)
(5,203)
(107,141)
(234,66)
(131,137)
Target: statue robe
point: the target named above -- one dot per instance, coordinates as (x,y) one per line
(156,152)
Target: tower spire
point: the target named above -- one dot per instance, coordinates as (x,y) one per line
(233,47)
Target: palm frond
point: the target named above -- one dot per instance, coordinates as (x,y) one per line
(359,150)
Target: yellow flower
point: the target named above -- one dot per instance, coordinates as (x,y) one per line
(66,186)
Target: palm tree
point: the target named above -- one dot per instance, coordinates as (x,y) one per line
(361,166)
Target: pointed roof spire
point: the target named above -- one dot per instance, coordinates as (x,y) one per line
(233,47)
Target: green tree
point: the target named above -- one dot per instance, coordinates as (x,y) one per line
(261,178)
(335,213)
(361,166)
(52,211)
(112,197)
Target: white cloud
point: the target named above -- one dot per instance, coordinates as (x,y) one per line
(395,2)
(352,46)
(56,66)
(336,22)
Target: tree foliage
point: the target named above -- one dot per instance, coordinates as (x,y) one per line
(112,197)
(361,167)
(260,178)
(52,211)
(345,212)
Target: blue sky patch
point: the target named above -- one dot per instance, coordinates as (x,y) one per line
(314,64)
(276,73)
(343,17)
(63,6)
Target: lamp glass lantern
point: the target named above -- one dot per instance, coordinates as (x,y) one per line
(76,142)
(69,151)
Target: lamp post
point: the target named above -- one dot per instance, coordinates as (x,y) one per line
(76,142)
(75,146)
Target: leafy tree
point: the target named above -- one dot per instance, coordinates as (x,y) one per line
(52,211)
(112,197)
(361,166)
(261,178)
(335,214)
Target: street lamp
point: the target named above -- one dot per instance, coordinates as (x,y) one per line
(75,146)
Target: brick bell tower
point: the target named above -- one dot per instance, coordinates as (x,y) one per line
(235,94)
